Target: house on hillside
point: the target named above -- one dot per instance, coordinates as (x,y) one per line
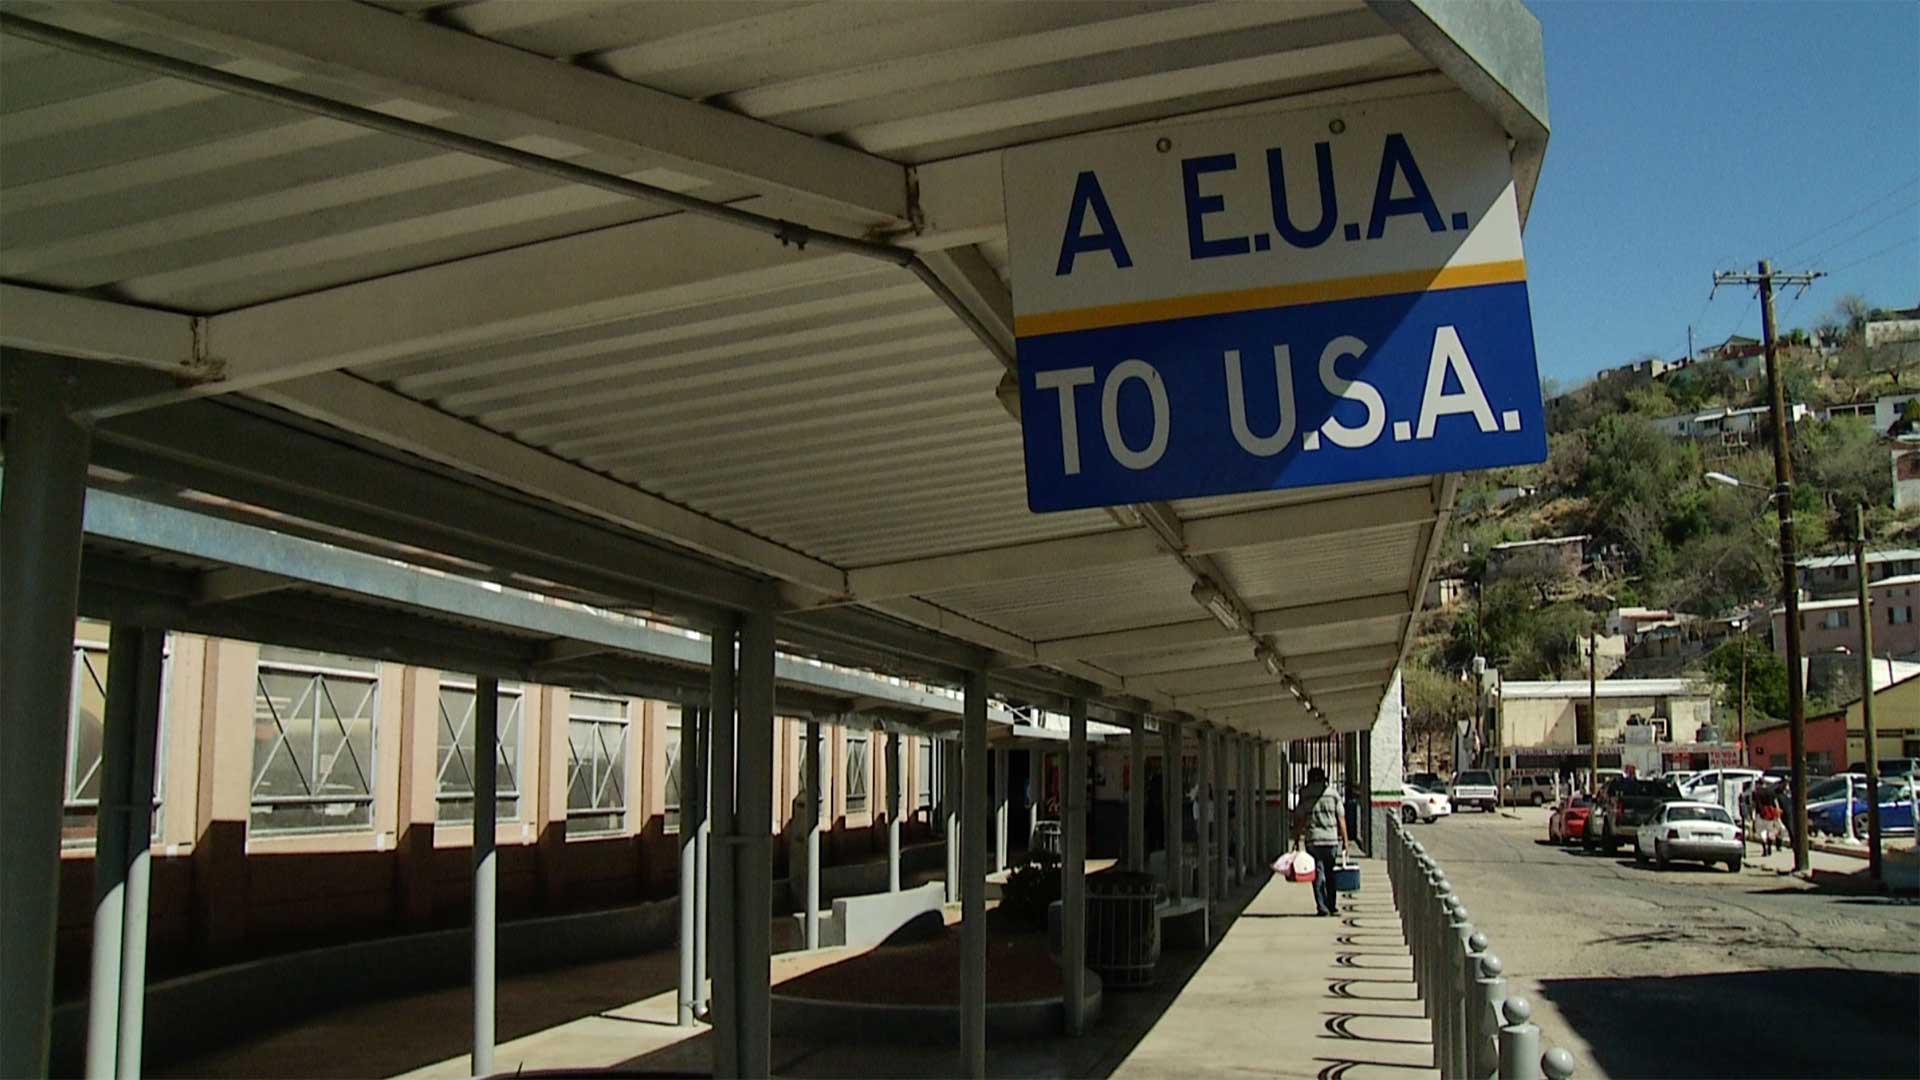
(1726,425)
(1557,556)
(1823,577)
(1834,625)
(1905,460)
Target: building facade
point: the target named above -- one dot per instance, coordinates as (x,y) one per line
(1834,625)
(1555,714)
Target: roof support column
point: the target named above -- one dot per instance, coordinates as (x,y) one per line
(1203,807)
(1000,801)
(950,826)
(702,803)
(1263,848)
(116,994)
(1243,776)
(1036,791)
(1173,806)
(810,891)
(486,868)
(724,923)
(973,889)
(41,513)
(689,862)
(1073,869)
(753,847)
(896,769)
(1222,869)
(1137,795)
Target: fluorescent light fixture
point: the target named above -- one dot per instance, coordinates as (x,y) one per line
(1723,478)
(1209,596)
(1266,656)
(1294,689)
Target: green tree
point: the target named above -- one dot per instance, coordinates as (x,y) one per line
(1766,678)
(1844,462)
(1436,701)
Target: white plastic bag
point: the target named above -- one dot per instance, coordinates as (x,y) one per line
(1296,866)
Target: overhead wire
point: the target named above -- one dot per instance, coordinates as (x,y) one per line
(1850,215)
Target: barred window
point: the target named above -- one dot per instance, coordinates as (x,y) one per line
(597,764)
(857,772)
(86,723)
(314,718)
(455,772)
(671,786)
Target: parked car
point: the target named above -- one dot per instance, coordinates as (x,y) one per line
(1624,806)
(1690,830)
(1830,815)
(1894,768)
(1569,820)
(1429,781)
(1680,776)
(1538,788)
(1474,788)
(1418,804)
(1705,786)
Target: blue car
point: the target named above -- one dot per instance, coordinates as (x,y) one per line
(1831,807)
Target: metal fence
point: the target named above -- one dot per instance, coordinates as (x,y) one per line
(1478,1030)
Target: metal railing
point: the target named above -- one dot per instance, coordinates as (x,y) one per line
(1479,1032)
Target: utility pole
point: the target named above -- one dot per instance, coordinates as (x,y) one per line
(1593,710)
(1866,694)
(1789,563)
(1744,643)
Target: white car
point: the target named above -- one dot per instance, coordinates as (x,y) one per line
(1418,804)
(1690,830)
(1705,786)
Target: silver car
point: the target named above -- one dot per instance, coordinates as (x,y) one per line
(1690,830)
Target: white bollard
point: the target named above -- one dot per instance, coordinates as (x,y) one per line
(1490,993)
(1519,1042)
(1557,1064)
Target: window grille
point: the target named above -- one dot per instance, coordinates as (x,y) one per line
(86,720)
(597,764)
(454,775)
(671,786)
(314,718)
(857,773)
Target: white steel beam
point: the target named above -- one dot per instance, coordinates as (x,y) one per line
(1201,536)
(91,329)
(231,583)
(1207,631)
(363,46)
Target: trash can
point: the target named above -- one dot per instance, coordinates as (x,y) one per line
(1123,929)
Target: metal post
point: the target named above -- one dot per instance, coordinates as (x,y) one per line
(896,769)
(123,822)
(1519,1042)
(689,866)
(1223,869)
(41,513)
(811,777)
(973,889)
(1036,788)
(1872,732)
(1490,993)
(1246,809)
(1459,936)
(753,819)
(1466,975)
(486,741)
(1000,811)
(1203,818)
(1073,870)
(1173,785)
(151,651)
(950,815)
(1593,710)
(702,854)
(723,915)
(1137,795)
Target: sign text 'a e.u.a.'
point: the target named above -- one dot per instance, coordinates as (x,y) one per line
(1270,301)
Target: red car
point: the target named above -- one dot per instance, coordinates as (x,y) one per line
(1569,820)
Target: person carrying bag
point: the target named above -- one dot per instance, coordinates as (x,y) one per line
(1319,825)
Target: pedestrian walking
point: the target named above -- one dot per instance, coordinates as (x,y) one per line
(1767,817)
(1319,824)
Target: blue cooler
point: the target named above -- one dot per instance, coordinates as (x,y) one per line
(1346,878)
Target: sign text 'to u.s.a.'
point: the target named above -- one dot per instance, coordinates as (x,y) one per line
(1270,301)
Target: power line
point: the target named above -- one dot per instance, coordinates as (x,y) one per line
(1851,214)
(1895,246)
(1863,230)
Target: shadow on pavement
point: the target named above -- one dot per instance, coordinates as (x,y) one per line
(1786,1022)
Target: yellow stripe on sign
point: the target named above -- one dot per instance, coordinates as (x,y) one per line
(1431,279)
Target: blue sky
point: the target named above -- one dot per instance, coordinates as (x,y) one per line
(1694,136)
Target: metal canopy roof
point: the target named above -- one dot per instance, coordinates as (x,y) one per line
(813,421)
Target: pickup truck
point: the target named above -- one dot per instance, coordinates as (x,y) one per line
(1625,805)
(1474,788)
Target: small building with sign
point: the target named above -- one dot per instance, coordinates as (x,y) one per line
(1554,714)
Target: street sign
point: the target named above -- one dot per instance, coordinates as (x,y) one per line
(1270,301)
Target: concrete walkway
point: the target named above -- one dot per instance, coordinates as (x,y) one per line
(1286,993)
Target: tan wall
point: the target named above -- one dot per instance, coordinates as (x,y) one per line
(1553,721)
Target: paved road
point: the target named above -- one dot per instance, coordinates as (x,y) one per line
(1689,972)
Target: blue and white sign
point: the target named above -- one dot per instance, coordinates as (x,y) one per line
(1270,301)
